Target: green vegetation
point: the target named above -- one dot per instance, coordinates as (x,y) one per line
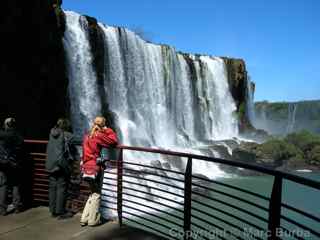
(303,140)
(279,150)
(296,149)
(241,112)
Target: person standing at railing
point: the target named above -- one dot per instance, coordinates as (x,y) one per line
(99,136)
(61,152)
(11,143)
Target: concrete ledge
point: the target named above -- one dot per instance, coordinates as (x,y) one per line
(37,224)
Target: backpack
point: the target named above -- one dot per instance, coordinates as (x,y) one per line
(6,158)
(67,157)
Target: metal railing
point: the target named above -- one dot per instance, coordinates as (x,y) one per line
(198,211)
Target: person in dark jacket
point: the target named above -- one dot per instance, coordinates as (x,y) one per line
(60,155)
(11,143)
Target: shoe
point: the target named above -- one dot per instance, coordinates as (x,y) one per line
(3,212)
(54,215)
(65,216)
(10,208)
(83,224)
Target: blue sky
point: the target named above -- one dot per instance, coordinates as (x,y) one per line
(278,39)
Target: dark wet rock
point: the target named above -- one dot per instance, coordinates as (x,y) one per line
(32,65)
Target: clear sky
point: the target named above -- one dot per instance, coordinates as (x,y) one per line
(278,39)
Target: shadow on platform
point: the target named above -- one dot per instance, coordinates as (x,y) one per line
(37,224)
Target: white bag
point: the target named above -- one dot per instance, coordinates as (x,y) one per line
(90,214)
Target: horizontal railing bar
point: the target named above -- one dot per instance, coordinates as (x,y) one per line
(41,199)
(40,195)
(151,180)
(214,225)
(151,214)
(221,220)
(301,225)
(234,197)
(158,189)
(228,214)
(147,219)
(154,195)
(40,185)
(108,178)
(40,190)
(230,205)
(206,231)
(255,167)
(233,187)
(147,226)
(251,166)
(110,190)
(156,209)
(40,164)
(36,141)
(159,203)
(112,208)
(148,166)
(107,201)
(111,184)
(153,174)
(110,196)
(44,175)
(301,180)
(301,212)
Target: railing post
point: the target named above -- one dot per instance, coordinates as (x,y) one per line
(275,208)
(187,199)
(119,185)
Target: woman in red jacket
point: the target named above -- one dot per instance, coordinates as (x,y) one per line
(98,137)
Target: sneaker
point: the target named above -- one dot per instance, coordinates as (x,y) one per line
(10,208)
(82,224)
(65,215)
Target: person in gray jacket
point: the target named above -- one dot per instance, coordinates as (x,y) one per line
(60,155)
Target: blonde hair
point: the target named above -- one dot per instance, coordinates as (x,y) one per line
(98,123)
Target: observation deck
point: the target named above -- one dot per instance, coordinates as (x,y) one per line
(187,205)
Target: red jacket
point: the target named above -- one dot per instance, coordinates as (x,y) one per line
(92,146)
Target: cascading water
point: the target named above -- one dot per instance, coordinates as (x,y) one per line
(249,100)
(159,97)
(82,78)
(292,109)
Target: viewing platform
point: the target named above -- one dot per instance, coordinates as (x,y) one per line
(37,224)
(172,203)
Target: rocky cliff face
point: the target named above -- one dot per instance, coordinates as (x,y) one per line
(238,82)
(281,118)
(32,66)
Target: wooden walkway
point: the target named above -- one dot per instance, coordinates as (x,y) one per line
(37,224)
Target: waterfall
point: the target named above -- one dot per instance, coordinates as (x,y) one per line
(152,94)
(82,78)
(292,109)
(249,102)
(158,97)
